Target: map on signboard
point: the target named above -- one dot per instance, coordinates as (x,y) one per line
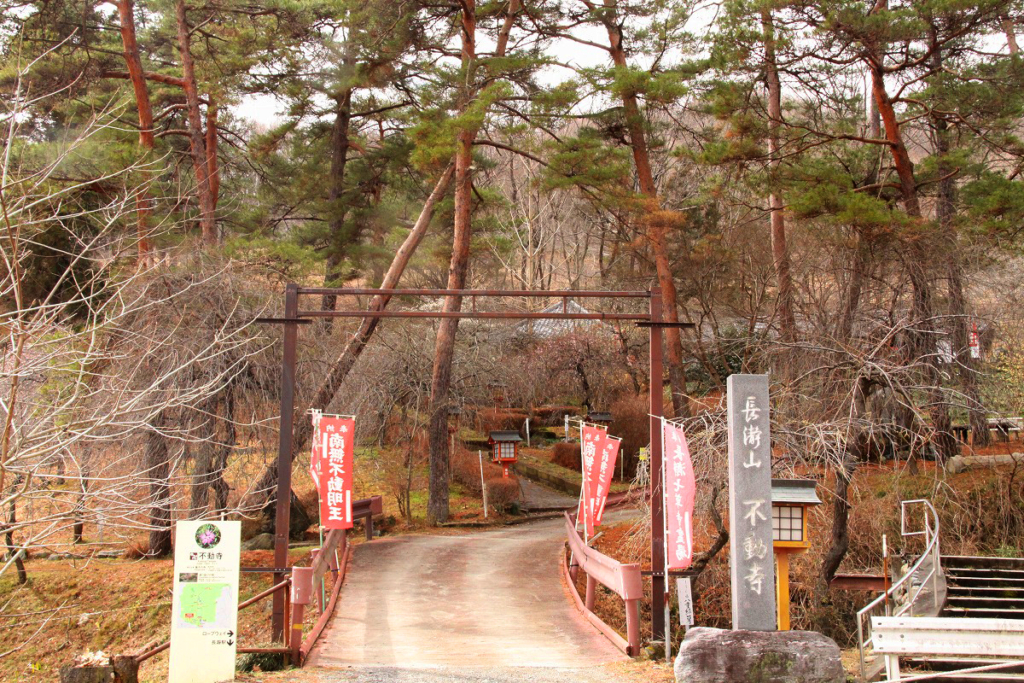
(205,605)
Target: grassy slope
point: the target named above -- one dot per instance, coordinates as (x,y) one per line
(112,605)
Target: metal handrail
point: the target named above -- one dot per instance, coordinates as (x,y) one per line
(931,554)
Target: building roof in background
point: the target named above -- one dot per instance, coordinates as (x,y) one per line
(549,329)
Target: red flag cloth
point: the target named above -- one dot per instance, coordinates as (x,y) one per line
(336,438)
(680,493)
(608,451)
(591,440)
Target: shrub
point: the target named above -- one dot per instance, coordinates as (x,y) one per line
(553,416)
(466,469)
(492,419)
(502,492)
(631,423)
(567,455)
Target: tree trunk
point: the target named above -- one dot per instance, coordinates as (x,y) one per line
(655,224)
(444,348)
(212,167)
(143,203)
(840,541)
(338,240)
(917,257)
(265,488)
(960,322)
(219,486)
(861,258)
(12,519)
(1011,35)
(158,470)
(197,142)
(780,252)
(851,301)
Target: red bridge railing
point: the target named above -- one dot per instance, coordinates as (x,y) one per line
(621,579)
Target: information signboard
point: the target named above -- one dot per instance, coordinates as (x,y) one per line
(683,590)
(204,606)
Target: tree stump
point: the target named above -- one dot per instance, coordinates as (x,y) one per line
(122,669)
(87,674)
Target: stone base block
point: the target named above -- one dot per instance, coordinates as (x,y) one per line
(711,655)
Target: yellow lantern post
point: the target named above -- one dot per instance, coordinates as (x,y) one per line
(790,500)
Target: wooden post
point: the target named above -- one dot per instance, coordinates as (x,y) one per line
(782,587)
(298,612)
(483,484)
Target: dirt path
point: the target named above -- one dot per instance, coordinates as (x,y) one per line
(483,606)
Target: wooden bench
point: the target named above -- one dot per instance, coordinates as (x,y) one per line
(986,646)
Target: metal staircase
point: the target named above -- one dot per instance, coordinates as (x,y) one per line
(948,618)
(984,587)
(919,592)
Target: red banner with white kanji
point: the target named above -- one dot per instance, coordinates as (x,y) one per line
(680,492)
(590,441)
(607,453)
(333,456)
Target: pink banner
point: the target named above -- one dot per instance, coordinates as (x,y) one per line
(336,442)
(608,452)
(591,439)
(680,492)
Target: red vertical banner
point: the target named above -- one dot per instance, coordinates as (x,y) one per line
(680,492)
(336,438)
(591,438)
(607,454)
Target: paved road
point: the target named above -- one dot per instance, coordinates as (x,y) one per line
(476,607)
(537,497)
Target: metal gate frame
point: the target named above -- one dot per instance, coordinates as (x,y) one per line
(294,316)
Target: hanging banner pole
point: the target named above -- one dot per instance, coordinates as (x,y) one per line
(667,516)
(483,484)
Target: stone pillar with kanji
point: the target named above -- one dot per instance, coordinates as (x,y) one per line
(751,561)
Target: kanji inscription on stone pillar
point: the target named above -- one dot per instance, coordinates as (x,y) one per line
(750,504)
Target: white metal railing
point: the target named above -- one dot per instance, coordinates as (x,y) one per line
(901,599)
